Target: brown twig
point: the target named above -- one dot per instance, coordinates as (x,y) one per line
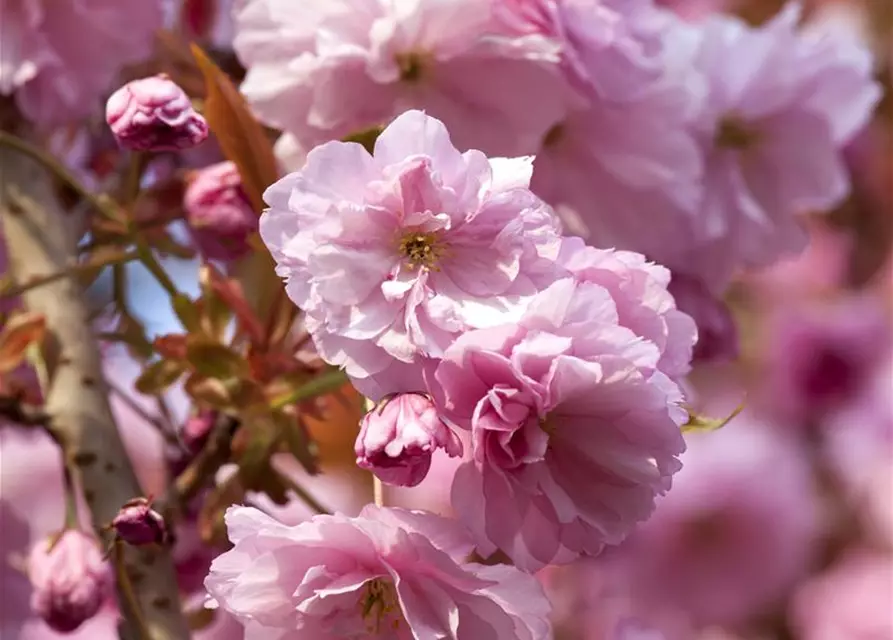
(39,241)
(202,469)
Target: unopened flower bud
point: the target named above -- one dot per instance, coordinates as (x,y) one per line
(138,524)
(154,114)
(219,213)
(397,439)
(70,580)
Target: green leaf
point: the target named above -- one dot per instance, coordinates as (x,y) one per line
(704,423)
(297,439)
(158,376)
(187,312)
(325,382)
(214,360)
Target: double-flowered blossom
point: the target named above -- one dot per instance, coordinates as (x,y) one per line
(574,426)
(324,70)
(71,579)
(388,573)
(624,148)
(154,114)
(392,255)
(781,103)
(398,438)
(59,57)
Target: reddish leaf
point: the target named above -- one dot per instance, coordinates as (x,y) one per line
(21,331)
(231,293)
(242,139)
(171,346)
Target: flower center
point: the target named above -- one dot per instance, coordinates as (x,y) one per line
(411,66)
(553,135)
(421,250)
(547,424)
(734,133)
(379,604)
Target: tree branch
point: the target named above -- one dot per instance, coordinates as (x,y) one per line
(40,242)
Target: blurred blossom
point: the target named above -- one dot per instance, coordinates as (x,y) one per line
(326,70)
(388,573)
(71,579)
(626,148)
(819,270)
(819,356)
(633,629)
(574,428)
(738,529)
(154,114)
(196,429)
(859,445)
(218,212)
(850,600)
(392,255)
(398,438)
(781,104)
(717,331)
(58,58)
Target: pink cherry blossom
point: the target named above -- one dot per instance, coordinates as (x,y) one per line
(820,356)
(574,428)
(392,255)
(59,57)
(610,47)
(388,573)
(781,103)
(740,527)
(71,579)
(644,305)
(322,71)
(858,443)
(398,438)
(850,600)
(623,169)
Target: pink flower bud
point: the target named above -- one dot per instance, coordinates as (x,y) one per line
(138,524)
(219,213)
(397,439)
(196,429)
(71,580)
(154,114)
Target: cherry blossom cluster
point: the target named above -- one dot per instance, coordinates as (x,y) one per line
(444,288)
(484,274)
(696,144)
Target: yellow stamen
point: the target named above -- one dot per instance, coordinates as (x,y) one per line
(378,603)
(421,249)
